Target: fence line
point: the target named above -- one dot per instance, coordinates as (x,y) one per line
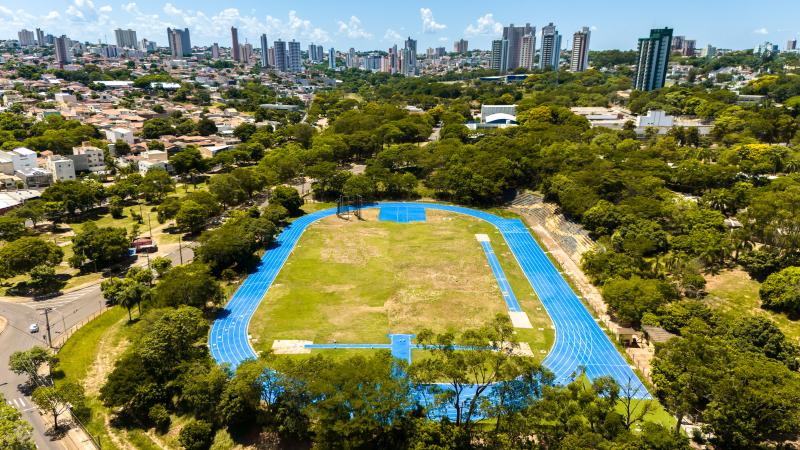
(59,342)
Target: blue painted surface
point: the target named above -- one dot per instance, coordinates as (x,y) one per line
(579,341)
(500,275)
(350,346)
(402,214)
(401,346)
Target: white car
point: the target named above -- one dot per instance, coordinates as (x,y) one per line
(34,328)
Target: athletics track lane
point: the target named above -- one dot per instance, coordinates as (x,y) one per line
(579,340)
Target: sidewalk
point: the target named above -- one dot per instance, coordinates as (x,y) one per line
(75,438)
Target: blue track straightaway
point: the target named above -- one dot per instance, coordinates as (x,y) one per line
(502,281)
(579,340)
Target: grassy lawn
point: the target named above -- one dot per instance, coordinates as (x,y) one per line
(90,351)
(357,281)
(733,292)
(87,358)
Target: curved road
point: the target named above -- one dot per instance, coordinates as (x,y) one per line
(579,340)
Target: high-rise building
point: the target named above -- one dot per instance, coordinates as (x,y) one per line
(499,55)
(214,51)
(264,51)
(26,38)
(688,47)
(332,58)
(235,50)
(394,60)
(791,44)
(125,38)
(410,57)
(246,52)
(62,51)
(350,58)
(676,44)
(527,51)
(280,55)
(294,62)
(579,60)
(765,48)
(513,35)
(40,37)
(551,48)
(461,46)
(147,45)
(180,44)
(651,65)
(708,51)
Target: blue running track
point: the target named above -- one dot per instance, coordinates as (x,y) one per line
(497,270)
(402,214)
(579,341)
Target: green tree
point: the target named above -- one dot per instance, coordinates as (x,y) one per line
(631,299)
(206,127)
(29,362)
(11,228)
(192,216)
(58,399)
(161,265)
(32,210)
(227,188)
(781,291)
(103,246)
(191,284)
(289,198)
(25,253)
(15,432)
(44,280)
(155,185)
(196,435)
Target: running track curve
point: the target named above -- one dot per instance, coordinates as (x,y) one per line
(579,340)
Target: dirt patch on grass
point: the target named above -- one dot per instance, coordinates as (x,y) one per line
(107,354)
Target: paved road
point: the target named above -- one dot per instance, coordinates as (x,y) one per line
(67,310)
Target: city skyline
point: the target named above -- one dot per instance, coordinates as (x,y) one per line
(365,26)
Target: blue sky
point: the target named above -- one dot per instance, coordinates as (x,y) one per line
(379,24)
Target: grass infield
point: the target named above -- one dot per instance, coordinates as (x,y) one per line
(357,281)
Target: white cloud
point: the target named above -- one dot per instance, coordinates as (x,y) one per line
(593,28)
(106,9)
(484,25)
(444,39)
(429,24)
(52,15)
(392,35)
(130,7)
(295,28)
(170,9)
(353,29)
(5,11)
(761,30)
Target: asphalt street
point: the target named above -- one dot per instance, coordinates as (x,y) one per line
(67,310)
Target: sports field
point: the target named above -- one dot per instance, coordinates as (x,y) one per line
(357,281)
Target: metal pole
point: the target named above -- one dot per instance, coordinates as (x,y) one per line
(180,248)
(47,322)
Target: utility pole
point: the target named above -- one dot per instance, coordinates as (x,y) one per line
(47,324)
(180,249)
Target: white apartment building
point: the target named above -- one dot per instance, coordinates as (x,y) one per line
(62,168)
(120,134)
(87,157)
(21,158)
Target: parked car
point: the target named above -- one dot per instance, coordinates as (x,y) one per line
(34,328)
